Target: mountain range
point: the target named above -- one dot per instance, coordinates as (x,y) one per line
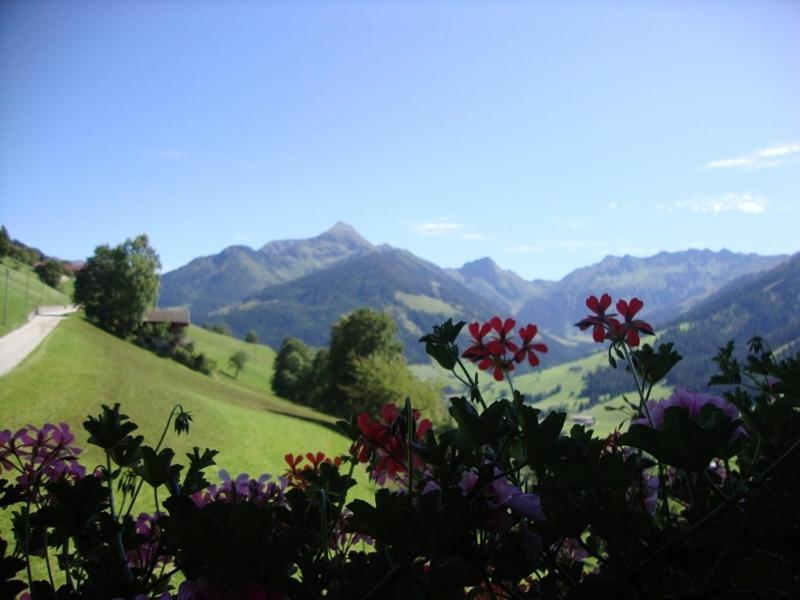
(300,287)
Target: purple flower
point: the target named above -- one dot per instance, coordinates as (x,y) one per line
(259,491)
(40,455)
(503,499)
(570,550)
(693,403)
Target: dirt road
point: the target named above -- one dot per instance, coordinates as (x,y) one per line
(15,346)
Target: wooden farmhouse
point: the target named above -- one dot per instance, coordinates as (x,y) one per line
(177,318)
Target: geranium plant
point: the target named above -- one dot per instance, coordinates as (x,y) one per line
(695,497)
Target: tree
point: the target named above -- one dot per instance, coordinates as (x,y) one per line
(237,362)
(50,272)
(362,333)
(292,369)
(251,337)
(380,380)
(119,285)
(5,242)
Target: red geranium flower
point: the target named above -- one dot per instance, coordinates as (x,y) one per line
(528,348)
(385,442)
(600,322)
(478,349)
(631,329)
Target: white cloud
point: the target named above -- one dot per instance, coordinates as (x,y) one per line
(436,228)
(170,153)
(729,163)
(749,204)
(772,156)
(778,150)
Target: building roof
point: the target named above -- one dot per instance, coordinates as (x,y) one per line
(176,316)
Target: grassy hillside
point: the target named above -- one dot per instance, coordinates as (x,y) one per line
(257,372)
(78,367)
(560,385)
(25,293)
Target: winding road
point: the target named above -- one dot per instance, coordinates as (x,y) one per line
(15,346)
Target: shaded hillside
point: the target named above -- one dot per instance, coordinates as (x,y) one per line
(211,282)
(765,304)
(416,293)
(669,283)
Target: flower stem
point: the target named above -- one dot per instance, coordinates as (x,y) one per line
(120,547)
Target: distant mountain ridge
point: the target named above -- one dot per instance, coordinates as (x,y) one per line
(765,304)
(209,283)
(300,287)
(669,283)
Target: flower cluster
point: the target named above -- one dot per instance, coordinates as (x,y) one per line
(609,326)
(202,589)
(295,474)
(148,552)
(259,491)
(40,455)
(499,352)
(570,550)
(503,499)
(383,443)
(693,403)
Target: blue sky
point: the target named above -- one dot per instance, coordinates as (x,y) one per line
(546,135)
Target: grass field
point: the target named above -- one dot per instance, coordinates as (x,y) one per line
(529,381)
(257,372)
(25,292)
(79,367)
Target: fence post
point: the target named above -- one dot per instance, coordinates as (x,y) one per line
(5,299)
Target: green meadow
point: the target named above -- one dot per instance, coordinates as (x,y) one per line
(560,384)
(25,292)
(79,367)
(257,372)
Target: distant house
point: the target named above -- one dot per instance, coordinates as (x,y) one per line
(177,319)
(72,267)
(583,419)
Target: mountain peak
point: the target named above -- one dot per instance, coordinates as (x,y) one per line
(483,267)
(344,232)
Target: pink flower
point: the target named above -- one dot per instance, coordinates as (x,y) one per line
(693,403)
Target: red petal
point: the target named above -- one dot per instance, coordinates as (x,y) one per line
(605,302)
(533,359)
(498,374)
(598,334)
(540,347)
(474,330)
(497,324)
(622,308)
(635,306)
(508,325)
(633,338)
(592,304)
